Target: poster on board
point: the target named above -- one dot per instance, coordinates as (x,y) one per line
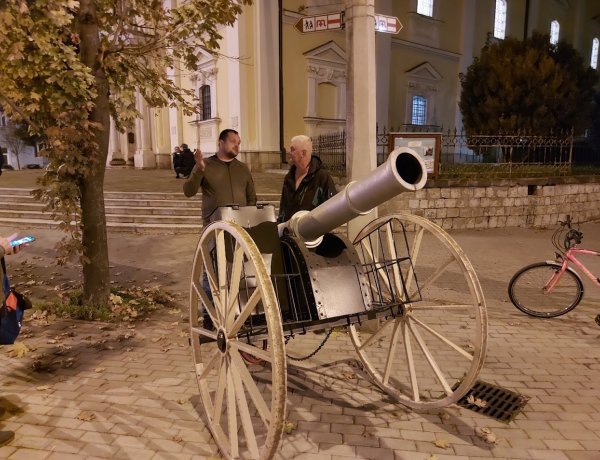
(427,145)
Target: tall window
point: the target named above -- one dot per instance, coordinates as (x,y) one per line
(500,19)
(425,7)
(204,102)
(419,110)
(594,58)
(554,30)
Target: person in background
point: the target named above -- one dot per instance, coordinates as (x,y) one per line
(176,160)
(307,184)
(186,161)
(7,436)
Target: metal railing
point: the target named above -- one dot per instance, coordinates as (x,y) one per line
(331,148)
(518,154)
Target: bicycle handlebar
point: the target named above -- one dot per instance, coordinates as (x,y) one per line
(566,223)
(572,237)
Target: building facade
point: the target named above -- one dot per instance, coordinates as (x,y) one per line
(270,81)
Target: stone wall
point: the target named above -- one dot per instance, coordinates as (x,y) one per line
(531,205)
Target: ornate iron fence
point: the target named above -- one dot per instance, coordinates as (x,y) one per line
(504,155)
(331,148)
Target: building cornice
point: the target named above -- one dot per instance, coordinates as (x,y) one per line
(450,55)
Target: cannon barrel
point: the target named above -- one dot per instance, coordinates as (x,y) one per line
(403,171)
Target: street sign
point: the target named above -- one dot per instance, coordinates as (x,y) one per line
(320,23)
(387,24)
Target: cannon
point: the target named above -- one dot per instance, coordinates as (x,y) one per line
(403,291)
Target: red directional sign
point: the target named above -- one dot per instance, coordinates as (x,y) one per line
(329,21)
(387,24)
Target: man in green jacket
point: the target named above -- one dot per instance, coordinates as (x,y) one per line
(307,184)
(223,178)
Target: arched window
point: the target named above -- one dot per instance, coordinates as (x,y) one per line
(594,58)
(554,31)
(419,110)
(500,19)
(425,7)
(204,109)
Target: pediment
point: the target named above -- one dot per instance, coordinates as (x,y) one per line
(206,59)
(329,52)
(424,71)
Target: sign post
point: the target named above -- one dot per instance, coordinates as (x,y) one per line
(330,21)
(387,24)
(333,21)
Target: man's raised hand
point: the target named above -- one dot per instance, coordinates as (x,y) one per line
(199,160)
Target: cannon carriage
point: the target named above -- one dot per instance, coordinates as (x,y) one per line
(403,289)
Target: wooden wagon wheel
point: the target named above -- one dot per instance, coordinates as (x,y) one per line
(431,353)
(244,402)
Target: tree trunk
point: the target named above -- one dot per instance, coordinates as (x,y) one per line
(96,276)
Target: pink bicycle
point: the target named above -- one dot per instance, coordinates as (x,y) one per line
(553,288)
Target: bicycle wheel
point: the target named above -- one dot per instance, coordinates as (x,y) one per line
(527,290)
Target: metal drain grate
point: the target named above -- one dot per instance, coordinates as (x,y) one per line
(493,401)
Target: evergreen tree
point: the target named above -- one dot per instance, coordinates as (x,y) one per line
(528,85)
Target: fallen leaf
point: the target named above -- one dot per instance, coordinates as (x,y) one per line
(43,387)
(442,443)
(18,350)
(443,415)
(86,416)
(288,427)
(432,457)
(487,435)
(100,369)
(476,401)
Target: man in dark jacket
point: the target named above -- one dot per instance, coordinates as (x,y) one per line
(186,161)
(307,184)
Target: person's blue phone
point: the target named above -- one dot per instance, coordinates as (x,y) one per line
(24,240)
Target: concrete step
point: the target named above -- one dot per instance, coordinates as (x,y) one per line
(149,228)
(148,212)
(144,196)
(120,218)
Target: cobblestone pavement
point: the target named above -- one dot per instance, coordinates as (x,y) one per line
(93,390)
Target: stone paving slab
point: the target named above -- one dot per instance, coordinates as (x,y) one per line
(131,393)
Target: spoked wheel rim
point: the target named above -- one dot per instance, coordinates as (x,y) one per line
(428,355)
(244,402)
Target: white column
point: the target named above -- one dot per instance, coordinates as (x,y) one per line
(144,156)
(467,27)
(362,84)
(116,154)
(383,45)
(341,100)
(214,107)
(580,19)
(533,22)
(311,106)
(234,119)
(266,52)
(161,138)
